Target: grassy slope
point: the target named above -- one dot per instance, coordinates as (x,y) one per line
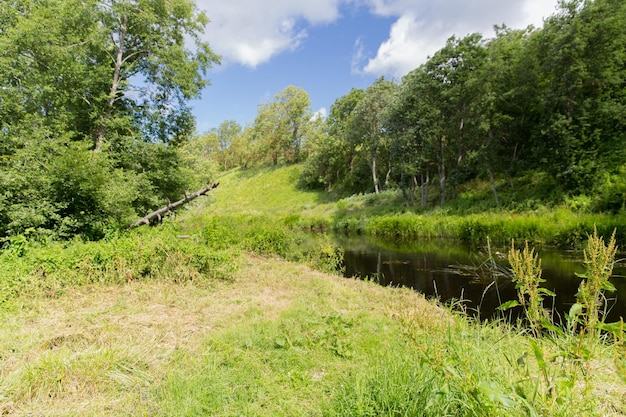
(278,339)
(472,217)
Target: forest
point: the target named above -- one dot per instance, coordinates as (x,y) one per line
(96,131)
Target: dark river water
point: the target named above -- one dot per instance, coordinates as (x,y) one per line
(453,272)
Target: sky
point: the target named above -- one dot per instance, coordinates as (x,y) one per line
(328,47)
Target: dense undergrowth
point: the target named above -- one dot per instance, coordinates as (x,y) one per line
(170,252)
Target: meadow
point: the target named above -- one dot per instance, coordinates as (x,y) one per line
(229,308)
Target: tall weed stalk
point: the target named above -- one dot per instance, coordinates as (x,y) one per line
(573,344)
(599,261)
(526,268)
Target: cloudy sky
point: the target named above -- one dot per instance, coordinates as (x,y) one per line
(329,46)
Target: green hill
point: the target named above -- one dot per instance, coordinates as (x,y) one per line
(274,192)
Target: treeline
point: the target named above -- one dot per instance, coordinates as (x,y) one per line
(95,128)
(547,102)
(94,119)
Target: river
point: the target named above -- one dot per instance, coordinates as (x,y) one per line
(451,271)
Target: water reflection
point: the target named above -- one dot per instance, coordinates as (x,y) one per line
(449,271)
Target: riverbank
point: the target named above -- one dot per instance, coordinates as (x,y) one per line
(222,311)
(470,219)
(278,339)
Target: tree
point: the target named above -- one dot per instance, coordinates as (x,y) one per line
(582,51)
(280,125)
(331,154)
(368,125)
(507,104)
(228,132)
(110,77)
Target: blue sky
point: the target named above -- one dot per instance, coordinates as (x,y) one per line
(328,47)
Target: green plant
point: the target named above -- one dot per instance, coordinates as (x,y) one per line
(599,260)
(526,268)
(563,354)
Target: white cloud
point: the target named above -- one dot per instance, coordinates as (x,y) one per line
(404,49)
(358,57)
(251,32)
(423,27)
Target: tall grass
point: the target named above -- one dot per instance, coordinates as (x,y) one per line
(562,228)
(48,268)
(169,252)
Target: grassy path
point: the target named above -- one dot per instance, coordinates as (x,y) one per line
(150,348)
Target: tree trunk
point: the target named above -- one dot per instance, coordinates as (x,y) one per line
(405,195)
(171,206)
(493,185)
(374,176)
(100,130)
(442,182)
(424,189)
(442,170)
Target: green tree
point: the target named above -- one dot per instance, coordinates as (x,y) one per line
(582,53)
(331,154)
(281,124)
(368,126)
(507,104)
(111,77)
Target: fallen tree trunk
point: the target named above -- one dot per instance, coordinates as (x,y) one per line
(171,206)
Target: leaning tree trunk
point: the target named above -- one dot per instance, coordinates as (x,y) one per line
(158,214)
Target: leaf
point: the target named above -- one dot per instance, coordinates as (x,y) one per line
(546,292)
(608,286)
(538,354)
(521,361)
(581,275)
(494,393)
(574,311)
(508,305)
(547,324)
(615,327)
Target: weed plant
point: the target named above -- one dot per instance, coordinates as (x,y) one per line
(565,354)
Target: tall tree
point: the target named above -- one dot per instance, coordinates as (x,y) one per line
(109,75)
(368,125)
(281,124)
(582,51)
(331,154)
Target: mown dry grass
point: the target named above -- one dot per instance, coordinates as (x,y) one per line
(105,350)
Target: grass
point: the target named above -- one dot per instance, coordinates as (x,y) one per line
(469,218)
(274,341)
(218,312)
(278,339)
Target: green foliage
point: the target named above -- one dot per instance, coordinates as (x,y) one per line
(544,103)
(281,126)
(526,268)
(564,357)
(610,195)
(267,236)
(82,149)
(148,254)
(599,260)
